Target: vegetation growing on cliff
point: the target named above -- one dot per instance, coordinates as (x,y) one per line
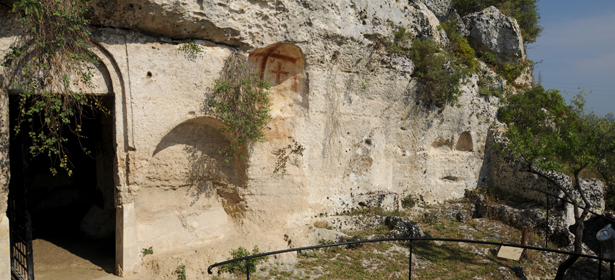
(548,136)
(52,64)
(524,11)
(440,69)
(241,100)
(441,82)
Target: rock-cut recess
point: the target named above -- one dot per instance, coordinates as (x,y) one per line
(190,193)
(464,143)
(282,66)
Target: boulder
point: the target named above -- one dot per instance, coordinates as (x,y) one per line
(490,30)
(401,227)
(533,217)
(440,8)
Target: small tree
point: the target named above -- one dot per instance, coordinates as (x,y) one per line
(548,136)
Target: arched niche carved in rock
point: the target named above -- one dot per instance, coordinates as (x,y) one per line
(283,67)
(189,193)
(464,143)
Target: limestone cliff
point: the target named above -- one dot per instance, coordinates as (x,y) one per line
(337,91)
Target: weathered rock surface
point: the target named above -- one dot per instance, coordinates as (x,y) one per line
(530,216)
(254,24)
(441,8)
(490,30)
(511,177)
(336,90)
(385,200)
(400,227)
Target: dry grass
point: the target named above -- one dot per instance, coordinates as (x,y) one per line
(431,259)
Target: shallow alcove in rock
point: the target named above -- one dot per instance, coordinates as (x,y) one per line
(283,67)
(190,193)
(464,143)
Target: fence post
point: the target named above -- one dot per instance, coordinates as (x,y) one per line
(547,229)
(410,262)
(248,268)
(612,275)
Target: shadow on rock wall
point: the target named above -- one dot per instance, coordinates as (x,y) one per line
(189,157)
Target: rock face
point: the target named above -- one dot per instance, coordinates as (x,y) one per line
(254,24)
(441,8)
(490,30)
(336,90)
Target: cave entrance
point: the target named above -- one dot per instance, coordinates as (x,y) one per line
(67,223)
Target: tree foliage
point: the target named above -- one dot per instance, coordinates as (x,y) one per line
(549,136)
(524,11)
(51,66)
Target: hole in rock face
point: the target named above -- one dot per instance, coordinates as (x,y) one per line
(131,5)
(368,141)
(464,143)
(149,74)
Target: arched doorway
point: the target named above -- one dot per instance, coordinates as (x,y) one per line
(64,226)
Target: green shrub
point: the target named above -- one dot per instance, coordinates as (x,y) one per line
(147,251)
(460,47)
(243,105)
(524,11)
(399,40)
(487,87)
(511,72)
(441,83)
(240,267)
(191,48)
(409,201)
(181,272)
(53,64)
(488,57)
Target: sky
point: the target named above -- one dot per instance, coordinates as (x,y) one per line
(577,49)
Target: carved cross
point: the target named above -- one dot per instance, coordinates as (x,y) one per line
(278,73)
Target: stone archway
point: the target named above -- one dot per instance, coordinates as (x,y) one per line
(82,204)
(189,195)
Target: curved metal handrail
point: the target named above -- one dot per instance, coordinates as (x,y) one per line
(409,240)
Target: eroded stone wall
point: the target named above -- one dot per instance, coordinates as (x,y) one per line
(337,91)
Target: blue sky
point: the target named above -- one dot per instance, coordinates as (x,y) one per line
(577,49)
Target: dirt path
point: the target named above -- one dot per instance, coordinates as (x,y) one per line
(53,260)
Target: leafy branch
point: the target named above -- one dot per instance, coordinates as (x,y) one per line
(284,155)
(241,101)
(52,65)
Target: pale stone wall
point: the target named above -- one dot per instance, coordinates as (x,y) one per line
(337,92)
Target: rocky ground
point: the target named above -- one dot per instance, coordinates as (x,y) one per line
(476,218)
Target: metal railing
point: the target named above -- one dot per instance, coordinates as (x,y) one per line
(410,243)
